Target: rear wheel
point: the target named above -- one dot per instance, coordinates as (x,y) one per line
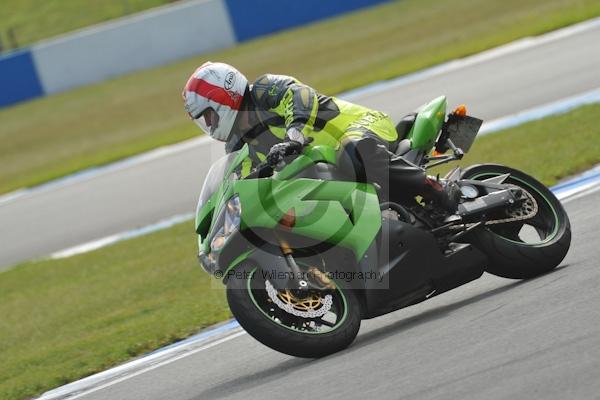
(310,324)
(526,247)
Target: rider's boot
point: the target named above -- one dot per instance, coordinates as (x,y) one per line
(442,192)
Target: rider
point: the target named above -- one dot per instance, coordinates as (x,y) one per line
(277,114)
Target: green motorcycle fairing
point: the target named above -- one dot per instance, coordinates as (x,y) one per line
(337,212)
(341,213)
(429,122)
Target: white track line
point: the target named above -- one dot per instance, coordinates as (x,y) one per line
(111,377)
(93,172)
(554,108)
(118,237)
(587,192)
(487,55)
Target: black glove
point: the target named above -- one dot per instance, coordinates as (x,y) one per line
(280,150)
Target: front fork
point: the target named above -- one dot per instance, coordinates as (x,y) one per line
(297,280)
(314,278)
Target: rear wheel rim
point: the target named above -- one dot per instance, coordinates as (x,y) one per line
(533,232)
(328,323)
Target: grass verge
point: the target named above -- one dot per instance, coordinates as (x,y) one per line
(54,136)
(34,20)
(66,319)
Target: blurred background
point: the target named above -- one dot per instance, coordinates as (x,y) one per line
(27,22)
(96,148)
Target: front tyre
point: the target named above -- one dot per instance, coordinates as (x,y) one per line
(293,324)
(525,248)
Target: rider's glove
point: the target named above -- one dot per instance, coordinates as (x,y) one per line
(280,150)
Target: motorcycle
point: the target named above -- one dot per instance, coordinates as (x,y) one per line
(306,253)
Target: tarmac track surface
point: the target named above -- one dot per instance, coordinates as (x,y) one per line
(39,223)
(493,338)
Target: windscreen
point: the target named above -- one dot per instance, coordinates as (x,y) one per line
(215,176)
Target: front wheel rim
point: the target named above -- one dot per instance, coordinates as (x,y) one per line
(327,323)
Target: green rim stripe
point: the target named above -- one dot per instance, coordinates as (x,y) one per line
(556,222)
(287,327)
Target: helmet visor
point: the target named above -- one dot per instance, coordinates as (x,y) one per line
(208,121)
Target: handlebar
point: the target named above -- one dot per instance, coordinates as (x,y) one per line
(264,170)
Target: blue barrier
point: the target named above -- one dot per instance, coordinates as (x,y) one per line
(151,38)
(18,78)
(260,17)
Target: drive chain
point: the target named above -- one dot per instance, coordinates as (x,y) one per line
(527,210)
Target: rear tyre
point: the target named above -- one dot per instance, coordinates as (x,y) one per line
(523,249)
(265,320)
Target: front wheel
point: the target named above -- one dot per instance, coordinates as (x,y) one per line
(309,324)
(526,247)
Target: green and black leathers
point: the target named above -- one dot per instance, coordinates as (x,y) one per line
(279,103)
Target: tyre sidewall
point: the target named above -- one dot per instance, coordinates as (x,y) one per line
(510,259)
(283,339)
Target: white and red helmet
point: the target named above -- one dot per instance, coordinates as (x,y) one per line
(213,97)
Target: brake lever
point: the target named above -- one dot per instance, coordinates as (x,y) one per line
(262,170)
